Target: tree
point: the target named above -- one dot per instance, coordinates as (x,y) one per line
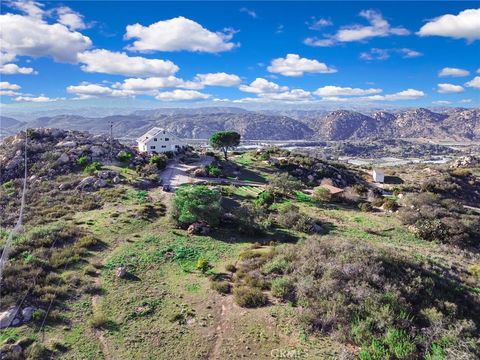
(196,203)
(283,184)
(224,141)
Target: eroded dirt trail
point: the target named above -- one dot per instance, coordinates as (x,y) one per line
(103,341)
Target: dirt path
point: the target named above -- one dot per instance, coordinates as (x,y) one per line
(222,328)
(103,341)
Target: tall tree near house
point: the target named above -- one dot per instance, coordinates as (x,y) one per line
(224,141)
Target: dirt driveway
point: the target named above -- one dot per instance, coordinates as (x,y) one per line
(176,173)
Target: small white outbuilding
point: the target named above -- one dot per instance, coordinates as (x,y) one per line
(378,176)
(157,140)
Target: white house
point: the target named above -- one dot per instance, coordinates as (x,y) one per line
(158,140)
(378,175)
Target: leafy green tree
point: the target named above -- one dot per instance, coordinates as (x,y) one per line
(224,141)
(283,184)
(197,203)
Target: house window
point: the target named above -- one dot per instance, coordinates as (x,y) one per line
(154,139)
(166,139)
(152,147)
(164,146)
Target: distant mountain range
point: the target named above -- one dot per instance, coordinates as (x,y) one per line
(200,123)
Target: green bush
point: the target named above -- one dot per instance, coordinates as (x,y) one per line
(98,321)
(160,161)
(249,297)
(321,194)
(196,203)
(124,156)
(82,160)
(223,287)
(203,265)
(283,288)
(91,168)
(265,198)
(283,184)
(213,171)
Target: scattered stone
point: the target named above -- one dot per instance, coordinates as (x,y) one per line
(7,317)
(100,183)
(199,228)
(67,144)
(87,182)
(63,159)
(121,272)
(27,313)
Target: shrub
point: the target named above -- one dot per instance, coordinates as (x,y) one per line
(365,207)
(474,270)
(378,202)
(203,265)
(359,189)
(379,299)
(98,321)
(223,287)
(283,184)
(124,156)
(37,351)
(159,160)
(390,204)
(249,297)
(265,198)
(283,288)
(82,160)
(321,194)
(291,217)
(252,219)
(87,242)
(196,203)
(91,168)
(213,171)
(231,268)
(461,173)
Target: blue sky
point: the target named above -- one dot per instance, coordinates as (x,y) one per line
(174,53)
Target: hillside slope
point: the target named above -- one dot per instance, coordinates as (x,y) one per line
(456,124)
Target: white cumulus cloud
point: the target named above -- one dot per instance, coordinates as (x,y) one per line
(294,65)
(454,72)
(177,34)
(181,95)
(156,83)
(409,94)
(291,95)
(464,25)
(329,91)
(30,36)
(119,63)
(87,91)
(474,83)
(378,27)
(12,69)
(72,19)
(5,85)
(36,99)
(449,88)
(218,79)
(261,86)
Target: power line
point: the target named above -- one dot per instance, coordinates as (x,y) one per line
(18,225)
